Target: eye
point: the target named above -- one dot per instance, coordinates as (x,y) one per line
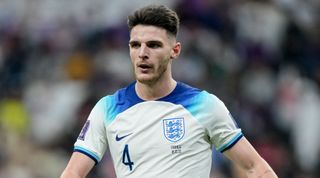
(154,44)
(134,44)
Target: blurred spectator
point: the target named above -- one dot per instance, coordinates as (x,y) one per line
(298,112)
(14,117)
(259,24)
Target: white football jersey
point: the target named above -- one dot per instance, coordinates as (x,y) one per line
(171,137)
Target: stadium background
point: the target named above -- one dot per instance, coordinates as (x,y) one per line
(58,57)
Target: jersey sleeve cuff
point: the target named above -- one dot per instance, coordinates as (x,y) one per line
(230,143)
(88,153)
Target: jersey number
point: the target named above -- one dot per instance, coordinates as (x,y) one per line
(126,157)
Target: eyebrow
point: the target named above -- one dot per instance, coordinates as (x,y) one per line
(154,42)
(133,42)
(147,42)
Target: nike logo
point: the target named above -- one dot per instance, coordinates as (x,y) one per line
(122,137)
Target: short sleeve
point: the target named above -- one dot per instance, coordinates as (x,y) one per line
(92,140)
(222,130)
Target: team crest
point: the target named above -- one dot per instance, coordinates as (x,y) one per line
(173,129)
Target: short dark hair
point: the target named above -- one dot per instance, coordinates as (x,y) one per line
(157,15)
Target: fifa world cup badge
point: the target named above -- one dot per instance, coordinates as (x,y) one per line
(84,130)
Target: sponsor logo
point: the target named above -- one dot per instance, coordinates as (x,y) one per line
(173,129)
(118,138)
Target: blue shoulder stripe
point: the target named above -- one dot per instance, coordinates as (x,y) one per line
(120,101)
(127,97)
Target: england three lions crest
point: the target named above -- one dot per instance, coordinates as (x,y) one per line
(173,129)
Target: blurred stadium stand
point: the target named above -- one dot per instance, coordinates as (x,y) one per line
(57,58)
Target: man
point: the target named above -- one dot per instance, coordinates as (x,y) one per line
(158,127)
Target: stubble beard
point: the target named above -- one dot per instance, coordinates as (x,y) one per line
(157,75)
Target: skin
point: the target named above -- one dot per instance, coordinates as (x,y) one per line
(250,163)
(152,51)
(78,167)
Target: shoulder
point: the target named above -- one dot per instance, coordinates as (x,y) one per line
(194,99)
(122,96)
(119,101)
(195,95)
(182,93)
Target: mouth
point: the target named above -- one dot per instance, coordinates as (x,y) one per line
(144,67)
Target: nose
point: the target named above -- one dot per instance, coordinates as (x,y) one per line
(143,52)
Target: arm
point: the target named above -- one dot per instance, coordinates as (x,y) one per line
(92,142)
(246,157)
(78,166)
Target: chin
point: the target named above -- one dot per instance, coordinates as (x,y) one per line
(146,79)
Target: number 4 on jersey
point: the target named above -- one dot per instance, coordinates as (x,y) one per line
(126,157)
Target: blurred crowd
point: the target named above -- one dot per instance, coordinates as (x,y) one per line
(57,58)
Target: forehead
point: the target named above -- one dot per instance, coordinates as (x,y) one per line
(147,33)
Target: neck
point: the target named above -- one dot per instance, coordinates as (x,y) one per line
(155,91)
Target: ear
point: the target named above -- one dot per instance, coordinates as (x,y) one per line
(175,52)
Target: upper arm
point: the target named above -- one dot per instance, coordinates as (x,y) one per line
(247,158)
(221,128)
(90,145)
(92,140)
(78,166)
(243,154)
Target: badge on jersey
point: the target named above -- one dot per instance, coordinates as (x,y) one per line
(173,129)
(84,130)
